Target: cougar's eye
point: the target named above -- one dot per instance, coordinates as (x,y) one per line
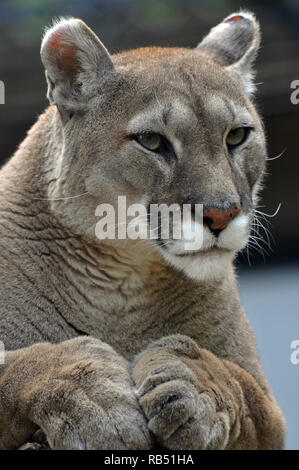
(237,136)
(149,140)
(157,144)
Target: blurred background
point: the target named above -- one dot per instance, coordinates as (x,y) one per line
(268,275)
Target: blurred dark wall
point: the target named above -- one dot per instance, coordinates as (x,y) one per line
(124,24)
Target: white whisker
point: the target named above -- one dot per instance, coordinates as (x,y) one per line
(277,156)
(60,198)
(269,215)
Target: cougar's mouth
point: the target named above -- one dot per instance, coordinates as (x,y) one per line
(206,252)
(203,252)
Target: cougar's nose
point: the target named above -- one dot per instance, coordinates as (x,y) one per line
(217,219)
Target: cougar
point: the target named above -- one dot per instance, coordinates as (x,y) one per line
(134,344)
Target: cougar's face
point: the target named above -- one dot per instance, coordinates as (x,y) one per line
(161,126)
(183,137)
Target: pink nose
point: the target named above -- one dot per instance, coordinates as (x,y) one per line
(218,219)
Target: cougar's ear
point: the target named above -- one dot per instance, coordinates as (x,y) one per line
(234,43)
(75,61)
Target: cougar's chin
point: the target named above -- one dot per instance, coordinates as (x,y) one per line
(204,265)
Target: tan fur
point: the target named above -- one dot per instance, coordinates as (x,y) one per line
(85,321)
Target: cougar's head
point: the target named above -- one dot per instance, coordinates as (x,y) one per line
(159,126)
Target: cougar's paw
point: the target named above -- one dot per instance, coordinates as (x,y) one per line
(181,418)
(85,399)
(184,405)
